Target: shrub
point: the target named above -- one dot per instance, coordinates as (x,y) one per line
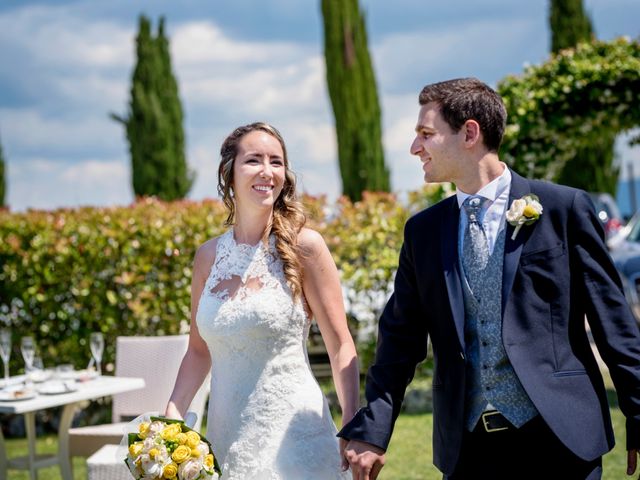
(127,270)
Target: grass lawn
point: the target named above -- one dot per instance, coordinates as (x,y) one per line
(408,458)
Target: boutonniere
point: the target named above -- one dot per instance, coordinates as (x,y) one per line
(524,211)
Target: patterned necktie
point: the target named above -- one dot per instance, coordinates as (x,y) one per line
(475,248)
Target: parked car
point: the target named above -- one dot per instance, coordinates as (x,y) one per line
(608,213)
(625,251)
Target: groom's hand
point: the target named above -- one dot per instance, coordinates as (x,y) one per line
(366,460)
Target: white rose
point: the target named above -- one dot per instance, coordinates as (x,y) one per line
(515,212)
(189,470)
(148,444)
(150,467)
(156,427)
(203,448)
(535,204)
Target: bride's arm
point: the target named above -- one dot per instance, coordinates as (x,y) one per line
(197,361)
(321,286)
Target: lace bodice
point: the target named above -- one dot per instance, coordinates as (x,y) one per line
(267,416)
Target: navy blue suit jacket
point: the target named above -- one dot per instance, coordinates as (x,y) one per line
(556,271)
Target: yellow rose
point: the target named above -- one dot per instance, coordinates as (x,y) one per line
(530,211)
(135,449)
(181,438)
(193,439)
(170,431)
(153,453)
(195,453)
(143,429)
(208,462)
(181,453)
(170,471)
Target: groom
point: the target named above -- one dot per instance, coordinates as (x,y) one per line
(500,276)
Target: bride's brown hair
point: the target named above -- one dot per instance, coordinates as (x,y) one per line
(288,216)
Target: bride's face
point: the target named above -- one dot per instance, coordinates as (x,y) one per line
(258,170)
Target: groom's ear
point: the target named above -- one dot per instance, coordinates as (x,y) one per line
(472,133)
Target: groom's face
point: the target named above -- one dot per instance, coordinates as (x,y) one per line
(437,146)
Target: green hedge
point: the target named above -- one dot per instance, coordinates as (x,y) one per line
(127,270)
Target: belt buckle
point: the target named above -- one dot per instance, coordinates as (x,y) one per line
(485,422)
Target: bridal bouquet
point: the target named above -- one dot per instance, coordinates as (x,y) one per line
(163,448)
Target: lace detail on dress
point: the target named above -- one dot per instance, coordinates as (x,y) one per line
(240,269)
(267,417)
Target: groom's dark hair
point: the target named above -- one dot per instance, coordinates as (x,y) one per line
(463,99)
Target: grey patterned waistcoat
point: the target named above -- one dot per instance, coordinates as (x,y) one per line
(490,376)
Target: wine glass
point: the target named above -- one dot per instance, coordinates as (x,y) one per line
(28,349)
(5,352)
(96,343)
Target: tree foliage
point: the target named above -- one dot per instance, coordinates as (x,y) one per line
(352,88)
(591,168)
(559,107)
(569,24)
(154,124)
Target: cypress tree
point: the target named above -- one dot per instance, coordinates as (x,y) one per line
(3,182)
(569,24)
(592,168)
(182,179)
(154,124)
(354,97)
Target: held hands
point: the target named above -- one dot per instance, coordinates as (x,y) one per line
(366,460)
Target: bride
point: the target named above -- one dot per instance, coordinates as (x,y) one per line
(254,291)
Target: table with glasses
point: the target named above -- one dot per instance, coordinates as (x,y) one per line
(66,393)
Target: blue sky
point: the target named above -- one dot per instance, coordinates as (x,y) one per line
(65,65)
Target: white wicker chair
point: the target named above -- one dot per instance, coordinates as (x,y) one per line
(157,360)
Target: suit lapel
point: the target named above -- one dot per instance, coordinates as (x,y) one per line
(513,247)
(451,266)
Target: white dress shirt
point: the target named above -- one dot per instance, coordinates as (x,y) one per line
(494,219)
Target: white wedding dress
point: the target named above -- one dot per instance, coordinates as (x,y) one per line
(268,419)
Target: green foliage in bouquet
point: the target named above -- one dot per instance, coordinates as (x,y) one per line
(562,106)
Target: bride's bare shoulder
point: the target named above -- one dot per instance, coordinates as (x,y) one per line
(309,238)
(311,243)
(206,255)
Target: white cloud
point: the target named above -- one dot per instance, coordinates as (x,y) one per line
(31,129)
(204,42)
(249,78)
(35,181)
(54,37)
(469,48)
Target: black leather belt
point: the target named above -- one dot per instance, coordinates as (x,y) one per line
(493,421)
